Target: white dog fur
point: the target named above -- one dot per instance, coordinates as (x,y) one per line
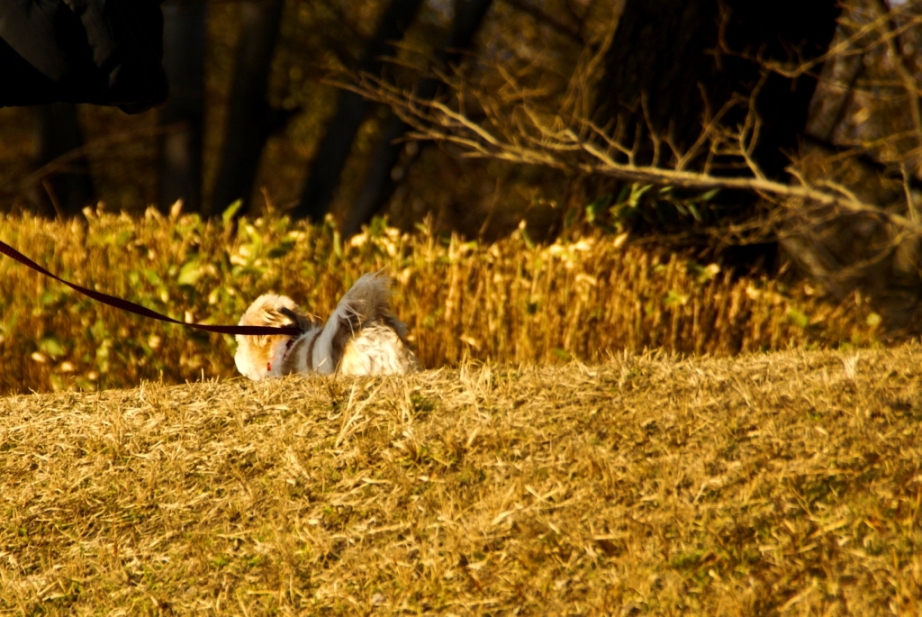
(362,336)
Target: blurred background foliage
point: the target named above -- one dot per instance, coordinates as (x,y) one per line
(511,301)
(650,266)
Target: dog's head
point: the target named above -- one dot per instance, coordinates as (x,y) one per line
(256,354)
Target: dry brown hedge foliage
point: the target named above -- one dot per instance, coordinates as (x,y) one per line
(757,485)
(511,302)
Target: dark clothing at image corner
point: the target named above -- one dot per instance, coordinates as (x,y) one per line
(104,52)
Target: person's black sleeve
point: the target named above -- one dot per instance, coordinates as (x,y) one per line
(106,52)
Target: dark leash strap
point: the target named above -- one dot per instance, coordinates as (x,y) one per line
(137,309)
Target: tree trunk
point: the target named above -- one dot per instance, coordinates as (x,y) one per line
(674,62)
(68,189)
(334,148)
(250,120)
(183,114)
(385,172)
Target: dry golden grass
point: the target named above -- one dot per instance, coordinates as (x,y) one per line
(783,483)
(510,302)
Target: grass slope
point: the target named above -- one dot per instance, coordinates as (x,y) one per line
(765,484)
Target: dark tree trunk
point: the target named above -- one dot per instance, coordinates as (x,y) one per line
(67,189)
(183,114)
(674,61)
(336,143)
(250,119)
(386,168)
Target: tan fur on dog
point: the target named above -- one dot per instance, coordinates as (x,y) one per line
(362,336)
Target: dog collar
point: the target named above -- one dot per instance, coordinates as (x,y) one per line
(288,345)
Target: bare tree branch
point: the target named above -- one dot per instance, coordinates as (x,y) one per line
(435,121)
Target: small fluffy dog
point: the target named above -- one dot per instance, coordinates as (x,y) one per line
(362,337)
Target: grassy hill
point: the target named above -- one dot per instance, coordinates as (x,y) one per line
(782,483)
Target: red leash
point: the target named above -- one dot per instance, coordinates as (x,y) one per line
(137,309)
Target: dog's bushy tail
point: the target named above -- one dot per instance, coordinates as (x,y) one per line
(366,302)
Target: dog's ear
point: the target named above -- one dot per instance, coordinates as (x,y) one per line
(297,318)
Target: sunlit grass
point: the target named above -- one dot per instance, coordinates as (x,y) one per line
(765,484)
